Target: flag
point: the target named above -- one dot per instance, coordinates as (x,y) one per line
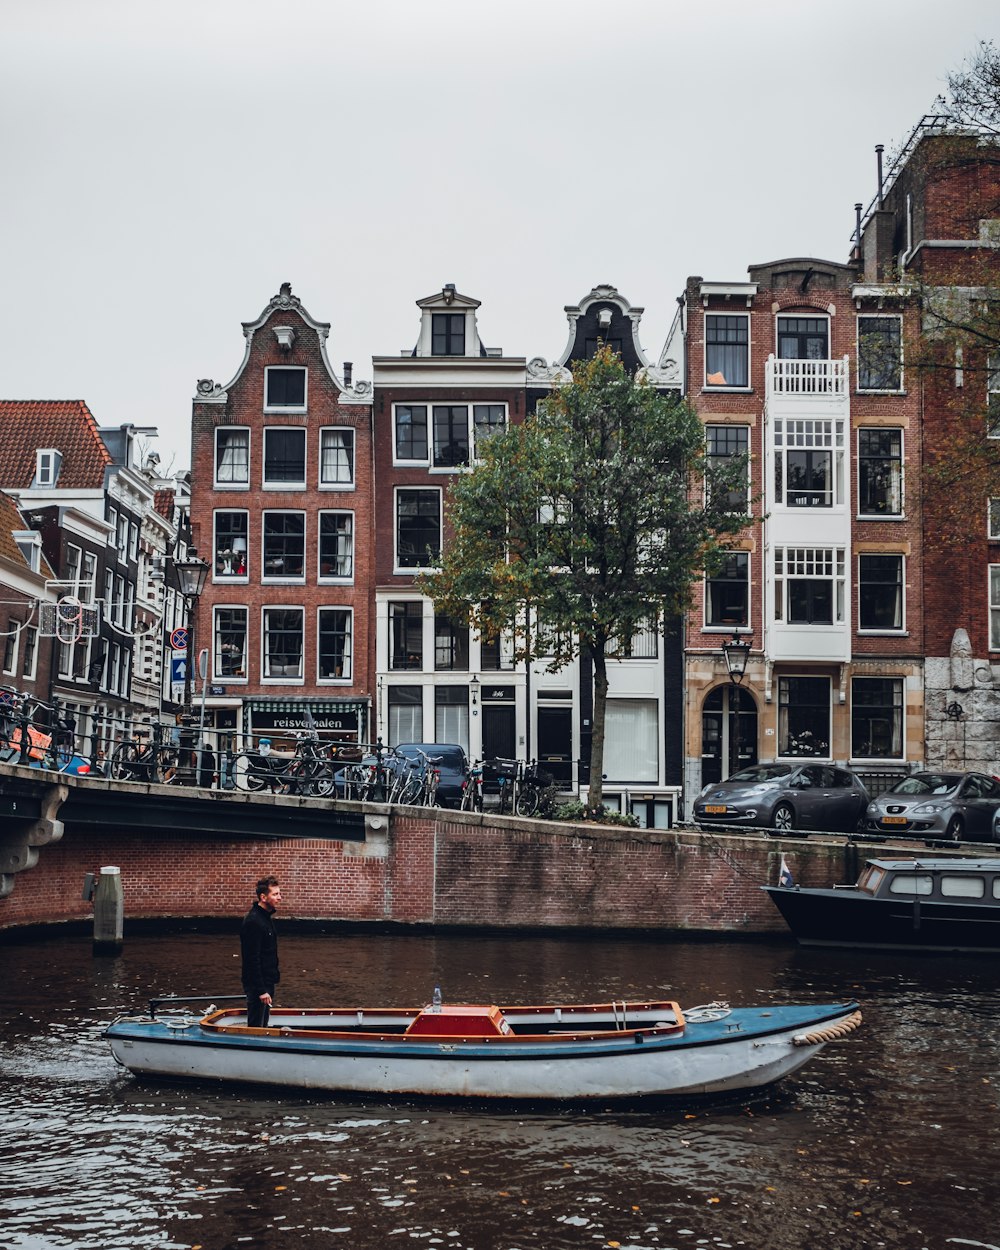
(785,877)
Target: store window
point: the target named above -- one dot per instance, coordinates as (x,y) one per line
(877,718)
(804,716)
(406,714)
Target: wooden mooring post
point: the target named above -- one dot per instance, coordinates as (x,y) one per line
(109,912)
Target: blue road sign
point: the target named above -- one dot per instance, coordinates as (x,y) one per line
(178,668)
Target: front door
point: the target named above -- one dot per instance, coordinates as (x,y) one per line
(499,731)
(555,743)
(722,737)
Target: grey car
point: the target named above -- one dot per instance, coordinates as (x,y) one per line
(785,796)
(937,805)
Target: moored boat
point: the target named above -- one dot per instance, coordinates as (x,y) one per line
(582,1051)
(940,904)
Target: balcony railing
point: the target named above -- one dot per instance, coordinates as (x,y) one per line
(807,377)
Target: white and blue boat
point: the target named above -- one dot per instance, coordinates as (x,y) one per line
(582,1051)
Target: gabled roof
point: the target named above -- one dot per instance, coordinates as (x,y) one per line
(163,503)
(11,522)
(68,425)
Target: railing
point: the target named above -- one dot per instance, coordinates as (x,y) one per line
(807,377)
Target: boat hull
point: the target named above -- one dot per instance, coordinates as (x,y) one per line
(746,1049)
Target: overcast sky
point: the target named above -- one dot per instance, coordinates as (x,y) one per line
(165,167)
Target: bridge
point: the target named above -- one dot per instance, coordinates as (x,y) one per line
(37,805)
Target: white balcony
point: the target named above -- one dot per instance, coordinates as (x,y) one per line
(804,379)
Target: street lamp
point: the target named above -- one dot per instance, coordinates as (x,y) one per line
(737,652)
(192,573)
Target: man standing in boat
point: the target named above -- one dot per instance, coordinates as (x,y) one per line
(259,947)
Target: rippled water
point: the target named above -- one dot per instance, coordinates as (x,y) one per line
(891,1138)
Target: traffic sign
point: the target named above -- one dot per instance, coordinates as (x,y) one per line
(179,638)
(178,669)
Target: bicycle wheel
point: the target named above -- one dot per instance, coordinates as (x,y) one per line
(526,803)
(165,765)
(250,772)
(125,764)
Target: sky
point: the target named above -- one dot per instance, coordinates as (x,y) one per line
(165,167)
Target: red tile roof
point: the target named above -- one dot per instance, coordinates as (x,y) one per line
(12,520)
(163,502)
(68,425)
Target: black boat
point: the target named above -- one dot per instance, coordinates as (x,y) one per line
(901,904)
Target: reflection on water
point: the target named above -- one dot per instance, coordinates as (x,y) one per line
(890,1138)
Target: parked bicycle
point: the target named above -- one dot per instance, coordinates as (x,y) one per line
(23,740)
(148,756)
(532,790)
(307,771)
(472,789)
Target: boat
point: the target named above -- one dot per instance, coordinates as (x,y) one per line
(610,1050)
(927,904)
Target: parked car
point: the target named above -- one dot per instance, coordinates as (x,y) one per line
(937,805)
(454,767)
(785,796)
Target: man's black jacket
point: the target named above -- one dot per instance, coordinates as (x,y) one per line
(259,945)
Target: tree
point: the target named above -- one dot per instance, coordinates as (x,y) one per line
(973,99)
(586,522)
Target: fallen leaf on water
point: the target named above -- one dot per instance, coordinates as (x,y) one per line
(503,1193)
(855,1212)
(615,1244)
(770,1189)
(635,1208)
(862,1181)
(342,1176)
(904,1182)
(715,1199)
(279,1188)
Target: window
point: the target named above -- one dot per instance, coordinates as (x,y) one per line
(229,630)
(962,887)
(284,456)
(418,528)
(912,883)
(232,457)
(334,644)
(451,436)
(30,651)
(285,388)
(880,360)
(727,350)
(406,635)
(725,442)
(10,648)
(451,715)
(993,396)
(995,607)
(880,472)
(487,420)
(283,644)
(631,749)
(411,432)
(803,338)
(336,546)
(284,545)
(406,714)
(993,520)
(809,585)
(497,654)
(877,718)
(808,463)
(447,334)
(451,646)
(336,457)
(231,553)
(880,592)
(804,716)
(727,593)
(642,644)
(48,461)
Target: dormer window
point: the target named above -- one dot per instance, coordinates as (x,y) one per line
(448,334)
(29,544)
(48,462)
(284,389)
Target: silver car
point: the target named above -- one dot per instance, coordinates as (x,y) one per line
(937,805)
(785,796)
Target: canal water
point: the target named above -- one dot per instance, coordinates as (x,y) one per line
(889,1138)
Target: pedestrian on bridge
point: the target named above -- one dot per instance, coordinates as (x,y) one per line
(259,948)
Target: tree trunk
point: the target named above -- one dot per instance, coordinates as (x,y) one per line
(596,796)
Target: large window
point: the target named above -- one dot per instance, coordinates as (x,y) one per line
(641,644)
(229,631)
(880,472)
(447,334)
(880,592)
(336,546)
(284,545)
(631,740)
(10,648)
(804,716)
(336,457)
(727,593)
(451,715)
(451,645)
(451,435)
(487,420)
(880,360)
(30,657)
(231,554)
(285,388)
(406,634)
(725,442)
(727,350)
(803,338)
(877,718)
(418,528)
(993,519)
(406,714)
(284,456)
(995,607)
(334,644)
(232,457)
(809,585)
(993,396)
(808,462)
(411,432)
(283,644)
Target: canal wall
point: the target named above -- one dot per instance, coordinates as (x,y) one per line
(450,869)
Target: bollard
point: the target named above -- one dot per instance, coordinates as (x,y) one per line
(109,912)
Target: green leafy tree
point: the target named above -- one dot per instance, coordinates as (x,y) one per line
(586,523)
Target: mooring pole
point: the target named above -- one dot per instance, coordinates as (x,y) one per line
(109,912)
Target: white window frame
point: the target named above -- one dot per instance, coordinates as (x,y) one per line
(993,590)
(413,569)
(48,462)
(710,628)
(285,484)
(881,516)
(351,482)
(896,630)
(347,677)
(12,635)
(304,406)
(283,579)
(473,448)
(993,394)
(800,434)
(282,679)
(877,390)
(222,483)
(993,518)
(806,759)
(448,468)
(25,632)
(715,386)
(732,425)
(226,678)
(783,557)
(229,579)
(423,460)
(335,578)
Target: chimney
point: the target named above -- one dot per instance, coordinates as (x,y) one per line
(879,149)
(348,372)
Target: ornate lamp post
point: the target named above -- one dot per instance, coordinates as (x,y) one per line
(737,652)
(192,573)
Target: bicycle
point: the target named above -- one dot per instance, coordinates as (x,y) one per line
(532,791)
(153,760)
(472,789)
(306,772)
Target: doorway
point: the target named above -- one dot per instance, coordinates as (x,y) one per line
(719,732)
(555,743)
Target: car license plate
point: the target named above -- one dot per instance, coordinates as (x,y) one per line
(713,809)
(894,820)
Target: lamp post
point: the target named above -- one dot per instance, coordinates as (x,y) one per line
(192,573)
(737,652)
